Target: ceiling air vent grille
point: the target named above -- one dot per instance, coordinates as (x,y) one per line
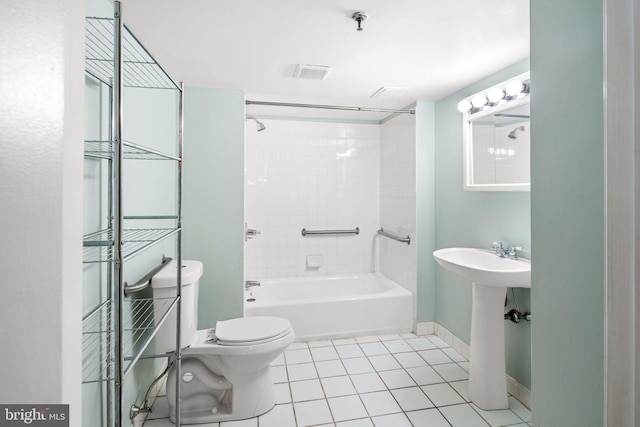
(313,72)
(388,92)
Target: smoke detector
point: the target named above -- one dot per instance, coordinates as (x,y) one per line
(313,72)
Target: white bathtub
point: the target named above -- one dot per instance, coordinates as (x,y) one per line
(334,307)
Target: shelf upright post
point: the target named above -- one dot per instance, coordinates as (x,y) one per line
(117,214)
(109,270)
(178,361)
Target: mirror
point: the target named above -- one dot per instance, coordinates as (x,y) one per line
(497,147)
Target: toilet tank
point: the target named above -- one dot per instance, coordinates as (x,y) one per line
(165,286)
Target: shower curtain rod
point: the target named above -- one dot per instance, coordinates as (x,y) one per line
(329,107)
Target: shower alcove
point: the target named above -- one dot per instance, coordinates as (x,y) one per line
(331,175)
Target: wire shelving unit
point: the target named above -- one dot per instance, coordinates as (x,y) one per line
(119,329)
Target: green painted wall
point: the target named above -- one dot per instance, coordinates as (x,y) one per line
(476,219)
(425,217)
(567,197)
(213,205)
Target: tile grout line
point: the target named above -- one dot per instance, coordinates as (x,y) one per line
(387,387)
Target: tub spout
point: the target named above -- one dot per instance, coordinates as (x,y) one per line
(251,283)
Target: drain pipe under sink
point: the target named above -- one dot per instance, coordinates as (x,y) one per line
(515,315)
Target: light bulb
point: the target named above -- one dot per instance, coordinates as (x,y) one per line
(495,94)
(464,106)
(514,87)
(479,101)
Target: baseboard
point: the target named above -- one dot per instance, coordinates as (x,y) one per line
(425,328)
(520,392)
(514,388)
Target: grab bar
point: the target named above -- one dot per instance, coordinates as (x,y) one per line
(144,282)
(309,232)
(406,240)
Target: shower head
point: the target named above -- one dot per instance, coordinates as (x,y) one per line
(260,125)
(513,135)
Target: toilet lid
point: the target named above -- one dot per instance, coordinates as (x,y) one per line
(251,330)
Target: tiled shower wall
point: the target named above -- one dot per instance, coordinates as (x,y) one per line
(331,176)
(398,200)
(312,175)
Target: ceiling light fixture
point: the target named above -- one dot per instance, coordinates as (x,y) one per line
(359,17)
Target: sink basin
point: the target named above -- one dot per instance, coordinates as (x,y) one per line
(483,266)
(490,276)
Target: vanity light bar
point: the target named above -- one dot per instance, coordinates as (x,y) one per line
(512,90)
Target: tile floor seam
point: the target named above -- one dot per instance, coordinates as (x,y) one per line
(356,390)
(443,416)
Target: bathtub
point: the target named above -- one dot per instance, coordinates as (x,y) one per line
(334,307)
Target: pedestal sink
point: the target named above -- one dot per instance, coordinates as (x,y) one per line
(490,276)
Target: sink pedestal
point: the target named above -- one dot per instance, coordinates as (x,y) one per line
(487,376)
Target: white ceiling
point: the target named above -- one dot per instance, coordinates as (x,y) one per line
(432,48)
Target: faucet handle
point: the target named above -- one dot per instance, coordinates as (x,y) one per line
(513,251)
(496,245)
(249,233)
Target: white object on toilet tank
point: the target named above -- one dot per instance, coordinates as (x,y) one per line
(165,286)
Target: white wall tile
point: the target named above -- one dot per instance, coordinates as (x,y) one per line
(311,175)
(398,200)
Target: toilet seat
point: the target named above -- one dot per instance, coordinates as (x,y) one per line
(251,330)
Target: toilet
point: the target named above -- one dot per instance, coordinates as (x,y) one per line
(226,373)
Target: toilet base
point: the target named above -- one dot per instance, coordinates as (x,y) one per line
(246,396)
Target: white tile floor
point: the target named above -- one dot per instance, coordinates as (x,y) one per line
(391,380)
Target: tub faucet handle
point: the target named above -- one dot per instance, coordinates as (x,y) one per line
(250,233)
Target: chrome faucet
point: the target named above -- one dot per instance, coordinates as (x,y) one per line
(251,283)
(503,253)
(499,250)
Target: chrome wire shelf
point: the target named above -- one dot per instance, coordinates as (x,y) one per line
(98,247)
(117,333)
(105,150)
(139,68)
(139,329)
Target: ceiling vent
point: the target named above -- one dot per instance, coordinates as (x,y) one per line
(313,72)
(388,92)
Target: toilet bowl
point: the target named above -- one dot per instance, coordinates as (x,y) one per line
(225,371)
